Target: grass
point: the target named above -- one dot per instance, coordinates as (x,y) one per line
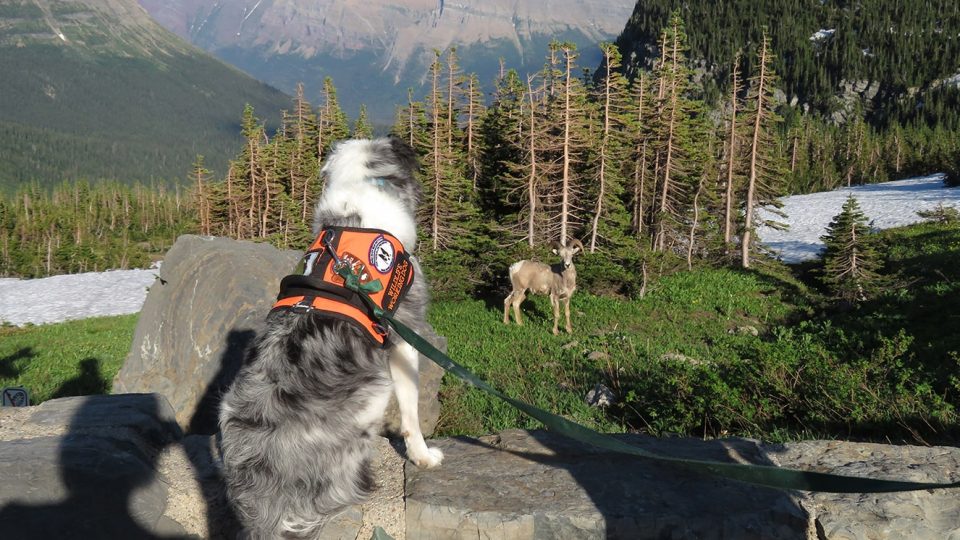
(73,358)
(711,352)
(700,316)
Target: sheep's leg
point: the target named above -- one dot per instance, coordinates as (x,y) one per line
(506,308)
(518,298)
(556,313)
(566,305)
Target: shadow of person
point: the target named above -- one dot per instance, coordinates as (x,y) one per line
(222,521)
(8,364)
(533,473)
(89,382)
(99,481)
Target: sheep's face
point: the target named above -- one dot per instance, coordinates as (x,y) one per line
(567,252)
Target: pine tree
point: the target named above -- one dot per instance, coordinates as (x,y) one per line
(570,108)
(362,129)
(765,170)
(731,182)
(676,138)
(610,217)
(332,123)
(473,112)
(850,261)
(201,176)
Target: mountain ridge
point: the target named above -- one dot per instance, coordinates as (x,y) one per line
(378,49)
(96,89)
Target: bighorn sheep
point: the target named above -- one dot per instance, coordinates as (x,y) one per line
(558,280)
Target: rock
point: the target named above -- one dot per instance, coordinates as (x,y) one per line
(747,330)
(202,313)
(88,470)
(918,515)
(106,467)
(197,321)
(677,357)
(600,396)
(521,485)
(598,355)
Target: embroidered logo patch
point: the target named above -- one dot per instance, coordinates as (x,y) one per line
(382,254)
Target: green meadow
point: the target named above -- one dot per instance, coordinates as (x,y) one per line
(709,352)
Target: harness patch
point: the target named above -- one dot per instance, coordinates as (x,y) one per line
(382,254)
(356,266)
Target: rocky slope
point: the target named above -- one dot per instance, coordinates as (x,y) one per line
(382,47)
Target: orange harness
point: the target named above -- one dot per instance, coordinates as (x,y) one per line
(372,254)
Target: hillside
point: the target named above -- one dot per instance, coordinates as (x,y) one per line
(833,57)
(96,89)
(380,48)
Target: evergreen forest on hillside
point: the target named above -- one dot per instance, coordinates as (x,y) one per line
(646,172)
(897,48)
(69,114)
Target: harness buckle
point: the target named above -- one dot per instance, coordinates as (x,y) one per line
(304,305)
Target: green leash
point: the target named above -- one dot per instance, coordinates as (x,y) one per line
(763,475)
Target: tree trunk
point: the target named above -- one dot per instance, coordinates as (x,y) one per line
(754,152)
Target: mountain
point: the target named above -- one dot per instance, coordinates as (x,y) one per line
(886,59)
(375,50)
(96,89)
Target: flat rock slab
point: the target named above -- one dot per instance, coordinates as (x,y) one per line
(918,515)
(521,485)
(85,468)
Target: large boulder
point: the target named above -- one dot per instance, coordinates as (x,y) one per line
(200,315)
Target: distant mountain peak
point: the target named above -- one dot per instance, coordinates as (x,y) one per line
(284,42)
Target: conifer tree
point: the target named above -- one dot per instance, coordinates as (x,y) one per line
(732,178)
(447,209)
(610,216)
(569,105)
(677,142)
(304,161)
(639,161)
(201,177)
(332,123)
(764,167)
(411,124)
(362,129)
(850,261)
(473,112)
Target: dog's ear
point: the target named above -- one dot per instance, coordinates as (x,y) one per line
(405,155)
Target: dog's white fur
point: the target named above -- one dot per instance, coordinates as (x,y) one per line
(295,455)
(345,195)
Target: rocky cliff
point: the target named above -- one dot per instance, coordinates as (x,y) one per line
(379,48)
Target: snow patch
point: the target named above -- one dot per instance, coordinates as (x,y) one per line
(822,34)
(886,205)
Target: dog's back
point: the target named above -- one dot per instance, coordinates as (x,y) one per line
(298,422)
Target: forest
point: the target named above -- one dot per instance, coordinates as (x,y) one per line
(641,165)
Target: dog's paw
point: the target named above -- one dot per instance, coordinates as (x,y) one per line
(432,458)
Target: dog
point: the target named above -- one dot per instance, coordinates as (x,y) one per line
(298,422)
